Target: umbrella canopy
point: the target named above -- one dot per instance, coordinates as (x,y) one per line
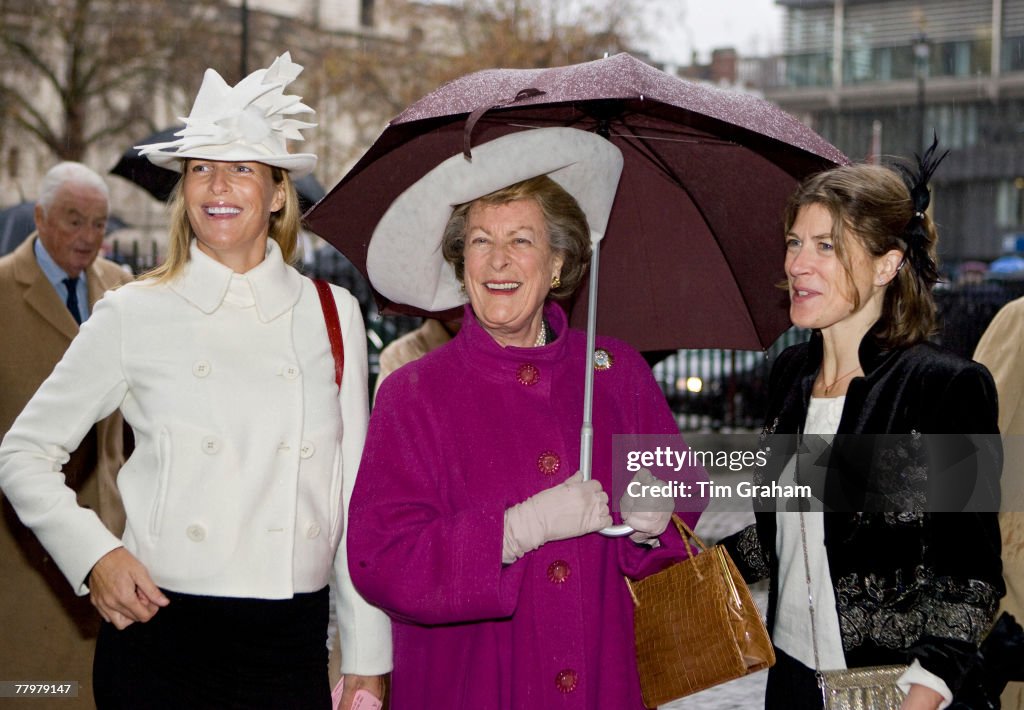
(159,181)
(693,247)
(17,222)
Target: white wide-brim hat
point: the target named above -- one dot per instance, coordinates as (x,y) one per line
(404,259)
(248,122)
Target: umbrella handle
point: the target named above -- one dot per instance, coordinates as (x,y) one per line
(587,439)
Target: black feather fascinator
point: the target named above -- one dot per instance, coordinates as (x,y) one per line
(915,234)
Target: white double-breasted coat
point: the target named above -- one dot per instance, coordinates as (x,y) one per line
(245,451)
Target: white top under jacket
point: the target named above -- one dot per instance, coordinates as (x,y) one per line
(245,454)
(792,631)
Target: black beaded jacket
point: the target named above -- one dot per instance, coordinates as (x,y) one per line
(909,583)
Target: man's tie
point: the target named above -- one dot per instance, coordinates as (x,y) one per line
(72,301)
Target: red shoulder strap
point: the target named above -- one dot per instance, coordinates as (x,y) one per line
(330,309)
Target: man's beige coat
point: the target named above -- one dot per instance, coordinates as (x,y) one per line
(48,632)
(1001,350)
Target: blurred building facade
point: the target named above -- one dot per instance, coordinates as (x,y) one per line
(878,77)
(248,35)
(365,61)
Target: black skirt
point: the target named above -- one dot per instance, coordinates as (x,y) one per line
(791,685)
(218,652)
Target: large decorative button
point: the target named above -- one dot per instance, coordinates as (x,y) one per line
(566,680)
(559,571)
(307,449)
(312,530)
(210,445)
(201,368)
(528,374)
(548,463)
(603,359)
(290,372)
(196,533)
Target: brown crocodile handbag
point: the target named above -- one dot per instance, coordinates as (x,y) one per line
(696,625)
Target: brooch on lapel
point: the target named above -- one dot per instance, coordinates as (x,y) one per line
(603,359)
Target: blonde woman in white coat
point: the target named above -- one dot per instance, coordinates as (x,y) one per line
(246,451)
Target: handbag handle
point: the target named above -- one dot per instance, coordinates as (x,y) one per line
(686,532)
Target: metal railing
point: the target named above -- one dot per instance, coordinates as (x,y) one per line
(720,389)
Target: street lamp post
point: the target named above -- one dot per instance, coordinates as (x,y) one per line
(243,64)
(922,53)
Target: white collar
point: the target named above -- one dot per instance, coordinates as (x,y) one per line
(205,281)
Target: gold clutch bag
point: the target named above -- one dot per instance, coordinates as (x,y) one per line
(870,688)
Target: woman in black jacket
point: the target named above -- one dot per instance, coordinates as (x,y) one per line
(898,551)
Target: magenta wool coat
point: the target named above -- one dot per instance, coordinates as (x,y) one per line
(457,437)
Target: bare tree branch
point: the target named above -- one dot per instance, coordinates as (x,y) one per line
(74,66)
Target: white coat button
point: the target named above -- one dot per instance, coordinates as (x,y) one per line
(290,372)
(196,533)
(312,530)
(210,445)
(307,449)
(201,368)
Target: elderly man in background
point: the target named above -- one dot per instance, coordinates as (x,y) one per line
(48,286)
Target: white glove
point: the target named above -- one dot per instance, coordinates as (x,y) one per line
(570,509)
(648,515)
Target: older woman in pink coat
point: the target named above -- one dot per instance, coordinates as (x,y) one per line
(470,524)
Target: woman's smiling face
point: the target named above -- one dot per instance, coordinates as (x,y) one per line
(509,266)
(229,206)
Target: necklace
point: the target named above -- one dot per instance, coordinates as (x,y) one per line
(542,336)
(828,388)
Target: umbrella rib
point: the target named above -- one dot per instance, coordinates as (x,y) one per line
(692,139)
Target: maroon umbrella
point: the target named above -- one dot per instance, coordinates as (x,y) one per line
(694,246)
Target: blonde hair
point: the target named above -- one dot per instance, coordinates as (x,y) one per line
(284,228)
